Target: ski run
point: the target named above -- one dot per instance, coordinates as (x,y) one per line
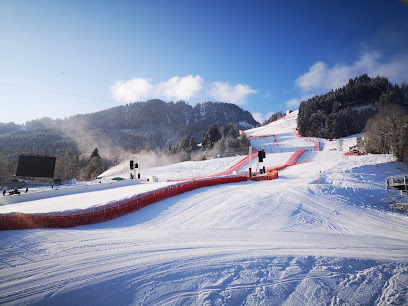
(320,234)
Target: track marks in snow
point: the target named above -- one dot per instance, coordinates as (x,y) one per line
(276,280)
(394,291)
(244,243)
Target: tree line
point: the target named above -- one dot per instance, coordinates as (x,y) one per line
(346,110)
(166,128)
(387,132)
(215,140)
(372,106)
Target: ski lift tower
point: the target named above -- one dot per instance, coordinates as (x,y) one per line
(397,191)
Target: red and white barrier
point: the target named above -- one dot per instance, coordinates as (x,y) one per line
(14,221)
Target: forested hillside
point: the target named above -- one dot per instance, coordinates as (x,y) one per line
(151,125)
(273,118)
(345,111)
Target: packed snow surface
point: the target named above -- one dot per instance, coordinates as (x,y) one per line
(320,234)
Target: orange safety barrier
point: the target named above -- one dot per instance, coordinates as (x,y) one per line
(352,154)
(293,160)
(14,221)
(270,175)
(229,171)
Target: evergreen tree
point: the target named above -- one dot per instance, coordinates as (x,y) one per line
(93,167)
(274,117)
(95,154)
(346,110)
(211,136)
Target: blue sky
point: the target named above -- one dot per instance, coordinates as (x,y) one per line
(60,58)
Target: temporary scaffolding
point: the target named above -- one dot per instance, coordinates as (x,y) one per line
(397,190)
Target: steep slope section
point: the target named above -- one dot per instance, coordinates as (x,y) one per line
(280,136)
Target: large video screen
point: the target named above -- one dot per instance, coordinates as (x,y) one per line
(36,166)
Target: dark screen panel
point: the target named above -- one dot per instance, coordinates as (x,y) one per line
(36,166)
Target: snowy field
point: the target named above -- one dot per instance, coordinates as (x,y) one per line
(290,241)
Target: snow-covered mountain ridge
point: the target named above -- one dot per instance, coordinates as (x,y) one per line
(153,123)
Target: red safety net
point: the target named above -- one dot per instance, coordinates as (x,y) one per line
(352,154)
(14,221)
(293,160)
(316,144)
(270,175)
(229,171)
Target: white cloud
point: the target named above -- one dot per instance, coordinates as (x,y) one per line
(179,88)
(261,117)
(225,92)
(396,69)
(313,78)
(176,88)
(320,77)
(131,90)
(293,103)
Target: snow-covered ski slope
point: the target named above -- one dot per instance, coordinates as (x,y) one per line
(279,136)
(69,199)
(289,241)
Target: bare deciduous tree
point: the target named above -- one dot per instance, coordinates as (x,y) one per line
(387,132)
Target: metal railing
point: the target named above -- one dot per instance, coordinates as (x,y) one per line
(397,191)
